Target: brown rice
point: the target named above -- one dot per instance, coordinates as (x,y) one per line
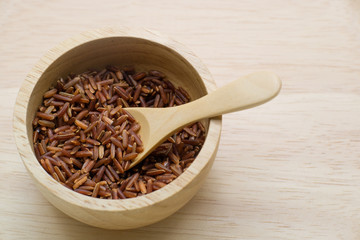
(85,139)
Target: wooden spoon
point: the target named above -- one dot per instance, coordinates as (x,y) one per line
(157,124)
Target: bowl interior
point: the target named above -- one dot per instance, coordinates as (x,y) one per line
(119,51)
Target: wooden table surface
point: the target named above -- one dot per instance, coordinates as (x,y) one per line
(289,169)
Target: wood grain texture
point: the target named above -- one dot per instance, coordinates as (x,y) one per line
(286,170)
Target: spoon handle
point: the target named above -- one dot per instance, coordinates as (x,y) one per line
(246,92)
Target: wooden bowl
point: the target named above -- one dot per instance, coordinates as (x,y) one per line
(145,50)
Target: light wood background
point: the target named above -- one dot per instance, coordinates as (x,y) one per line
(289,169)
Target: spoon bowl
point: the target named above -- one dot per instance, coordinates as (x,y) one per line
(157,124)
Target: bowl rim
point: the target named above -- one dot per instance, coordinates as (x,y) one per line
(51,185)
